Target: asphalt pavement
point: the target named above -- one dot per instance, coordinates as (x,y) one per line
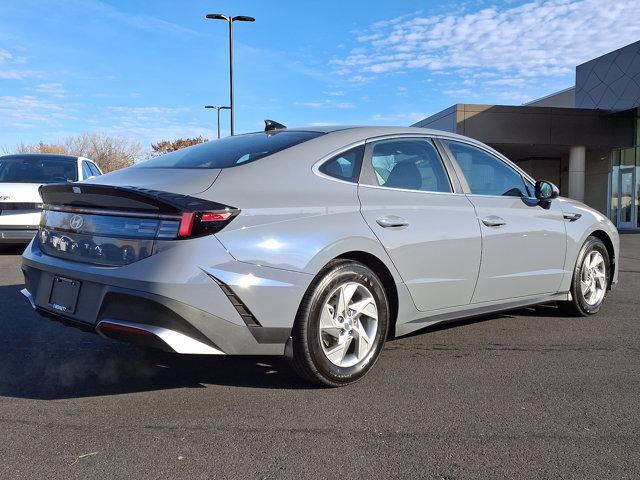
(528,394)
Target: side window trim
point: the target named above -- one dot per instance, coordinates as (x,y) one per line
(367,173)
(463,178)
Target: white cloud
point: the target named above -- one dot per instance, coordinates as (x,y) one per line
(398,118)
(516,46)
(4,55)
(150,124)
(29,111)
(326,104)
(54,89)
(142,22)
(12,74)
(8,64)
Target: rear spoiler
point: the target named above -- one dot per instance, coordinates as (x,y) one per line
(132,199)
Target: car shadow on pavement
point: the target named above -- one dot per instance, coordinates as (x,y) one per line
(42,359)
(544,310)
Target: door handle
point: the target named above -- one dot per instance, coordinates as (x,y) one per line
(493,221)
(392,221)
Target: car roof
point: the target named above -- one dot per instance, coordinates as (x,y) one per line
(376,131)
(41,156)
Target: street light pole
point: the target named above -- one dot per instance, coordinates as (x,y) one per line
(229,19)
(232,115)
(218,111)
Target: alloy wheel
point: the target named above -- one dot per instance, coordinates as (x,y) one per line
(593,278)
(348,324)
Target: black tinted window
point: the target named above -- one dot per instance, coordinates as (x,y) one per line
(409,163)
(230,151)
(485,173)
(37,170)
(346,165)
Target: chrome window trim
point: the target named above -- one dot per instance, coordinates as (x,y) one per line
(428,192)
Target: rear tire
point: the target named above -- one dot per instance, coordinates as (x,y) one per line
(341,325)
(590,280)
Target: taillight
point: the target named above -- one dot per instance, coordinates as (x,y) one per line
(196,224)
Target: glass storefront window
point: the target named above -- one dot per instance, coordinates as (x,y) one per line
(628,156)
(615,158)
(613,215)
(624,209)
(638,195)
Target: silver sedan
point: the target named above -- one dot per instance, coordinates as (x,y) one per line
(314,243)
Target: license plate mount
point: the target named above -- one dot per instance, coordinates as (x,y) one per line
(64,294)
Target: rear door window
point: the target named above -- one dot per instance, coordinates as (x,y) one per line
(409,163)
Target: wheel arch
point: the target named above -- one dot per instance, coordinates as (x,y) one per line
(385,276)
(608,243)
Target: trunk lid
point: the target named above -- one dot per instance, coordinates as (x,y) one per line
(114,225)
(185,181)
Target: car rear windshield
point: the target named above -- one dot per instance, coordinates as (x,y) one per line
(37,170)
(230,151)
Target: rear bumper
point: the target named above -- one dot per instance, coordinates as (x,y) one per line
(184,306)
(19,234)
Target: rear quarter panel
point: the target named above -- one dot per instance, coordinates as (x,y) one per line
(292,218)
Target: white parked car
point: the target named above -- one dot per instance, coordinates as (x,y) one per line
(21,176)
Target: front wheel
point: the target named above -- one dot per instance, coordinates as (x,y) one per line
(590,280)
(341,325)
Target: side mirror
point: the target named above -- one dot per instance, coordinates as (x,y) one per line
(546,191)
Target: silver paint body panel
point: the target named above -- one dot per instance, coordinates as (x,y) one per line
(294,220)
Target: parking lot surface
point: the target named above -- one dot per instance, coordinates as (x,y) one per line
(527,394)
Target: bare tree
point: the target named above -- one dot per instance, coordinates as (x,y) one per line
(109,152)
(166,146)
(42,147)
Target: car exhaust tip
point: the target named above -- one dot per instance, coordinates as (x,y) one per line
(154,336)
(26,294)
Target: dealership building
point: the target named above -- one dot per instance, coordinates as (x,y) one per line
(585,139)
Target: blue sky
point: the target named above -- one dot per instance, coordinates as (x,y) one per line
(145,69)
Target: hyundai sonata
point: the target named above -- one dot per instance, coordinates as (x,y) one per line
(314,243)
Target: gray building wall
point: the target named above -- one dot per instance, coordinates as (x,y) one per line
(534,126)
(539,139)
(610,82)
(564,98)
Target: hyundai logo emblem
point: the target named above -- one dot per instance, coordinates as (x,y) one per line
(76,222)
